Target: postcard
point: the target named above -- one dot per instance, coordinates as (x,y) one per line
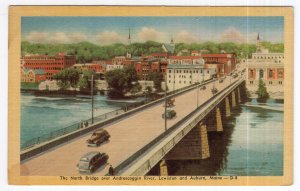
(145,95)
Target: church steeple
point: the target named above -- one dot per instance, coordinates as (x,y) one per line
(258,45)
(172,41)
(128,54)
(129,38)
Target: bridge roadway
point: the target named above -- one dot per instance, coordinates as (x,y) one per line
(128,135)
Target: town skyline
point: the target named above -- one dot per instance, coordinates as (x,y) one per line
(110,30)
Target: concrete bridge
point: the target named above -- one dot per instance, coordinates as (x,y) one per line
(139,140)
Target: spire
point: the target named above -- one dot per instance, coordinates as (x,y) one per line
(258,36)
(129,38)
(128,54)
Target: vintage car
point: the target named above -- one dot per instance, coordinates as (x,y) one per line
(91,161)
(98,137)
(170,113)
(203,88)
(235,75)
(221,80)
(214,90)
(170,102)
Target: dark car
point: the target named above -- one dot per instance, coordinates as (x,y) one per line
(98,137)
(203,88)
(221,81)
(170,113)
(214,91)
(91,161)
(235,75)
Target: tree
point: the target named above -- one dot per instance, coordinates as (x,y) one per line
(157,78)
(85,81)
(116,80)
(121,81)
(262,94)
(67,78)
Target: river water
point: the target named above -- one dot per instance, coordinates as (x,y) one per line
(42,115)
(250,145)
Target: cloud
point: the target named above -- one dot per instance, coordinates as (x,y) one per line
(185,37)
(57,37)
(232,35)
(77,37)
(152,34)
(109,37)
(36,37)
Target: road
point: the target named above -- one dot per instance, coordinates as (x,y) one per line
(127,136)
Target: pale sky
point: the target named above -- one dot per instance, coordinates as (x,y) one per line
(108,30)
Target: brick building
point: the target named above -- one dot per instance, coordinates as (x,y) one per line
(225,62)
(50,64)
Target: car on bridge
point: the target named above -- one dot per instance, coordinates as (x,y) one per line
(203,87)
(235,75)
(169,114)
(98,137)
(214,90)
(91,161)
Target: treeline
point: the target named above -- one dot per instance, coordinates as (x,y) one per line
(86,51)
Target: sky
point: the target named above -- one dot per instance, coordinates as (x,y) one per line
(109,30)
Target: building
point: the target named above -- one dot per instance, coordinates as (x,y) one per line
(50,64)
(97,68)
(169,48)
(269,67)
(225,62)
(110,67)
(118,60)
(32,76)
(184,71)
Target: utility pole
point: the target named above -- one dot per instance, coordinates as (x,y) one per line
(92,95)
(198,91)
(165,114)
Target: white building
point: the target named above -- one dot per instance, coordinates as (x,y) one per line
(185,71)
(110,67)
(269,67)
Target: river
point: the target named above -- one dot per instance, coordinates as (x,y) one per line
(42,115)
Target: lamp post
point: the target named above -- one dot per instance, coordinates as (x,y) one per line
(165,114)
(92,95)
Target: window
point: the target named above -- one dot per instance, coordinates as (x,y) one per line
(270,82)
(270,73)
(280,73)
(280,82)
(261,74)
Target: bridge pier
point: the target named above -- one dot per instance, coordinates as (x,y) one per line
(239,95)
(214,121)
(233,101)
(163,168)
(227,107)
(193,146)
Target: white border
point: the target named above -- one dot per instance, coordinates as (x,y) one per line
(4,4)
